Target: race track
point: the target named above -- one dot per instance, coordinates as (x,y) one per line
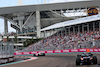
(57,60)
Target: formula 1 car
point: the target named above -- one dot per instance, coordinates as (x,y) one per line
(86,58)
(39,54)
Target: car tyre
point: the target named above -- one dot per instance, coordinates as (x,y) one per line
(78,61)
(34,54)
(94,60)
(43,54)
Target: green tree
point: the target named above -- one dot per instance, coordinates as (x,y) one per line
(31,41)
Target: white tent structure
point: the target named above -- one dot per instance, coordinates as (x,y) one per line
(73,22)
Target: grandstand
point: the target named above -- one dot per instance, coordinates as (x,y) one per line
(50,21)
(70,40)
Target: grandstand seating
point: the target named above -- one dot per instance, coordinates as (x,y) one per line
(72,41)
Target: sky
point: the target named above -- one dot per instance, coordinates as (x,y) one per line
(7,3)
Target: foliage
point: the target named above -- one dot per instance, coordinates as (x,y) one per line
(31,41)
(15,39)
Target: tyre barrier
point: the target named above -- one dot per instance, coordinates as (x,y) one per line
(58,51)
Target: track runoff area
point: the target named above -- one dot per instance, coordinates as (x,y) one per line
(54,58)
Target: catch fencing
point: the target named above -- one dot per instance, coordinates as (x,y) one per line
(6,49)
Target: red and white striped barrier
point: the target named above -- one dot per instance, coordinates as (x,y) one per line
(59,51)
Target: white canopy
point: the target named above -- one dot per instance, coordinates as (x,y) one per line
(73,22)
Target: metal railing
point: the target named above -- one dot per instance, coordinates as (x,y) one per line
(6,49)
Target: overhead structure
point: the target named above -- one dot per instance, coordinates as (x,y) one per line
(51,6)
(73,22)
(28,20)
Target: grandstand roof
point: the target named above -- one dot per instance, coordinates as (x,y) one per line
(73,22)
(52,6)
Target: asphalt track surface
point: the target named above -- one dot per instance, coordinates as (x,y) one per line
(57,60)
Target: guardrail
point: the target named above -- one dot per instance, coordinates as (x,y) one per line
(26,37)
(59,51)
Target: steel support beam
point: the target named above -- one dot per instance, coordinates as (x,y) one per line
(78,28)
(99,25)
(38,23)
(93,26)
(73,29)
(88,27)
(28,19)
(5,26)
(12,22)
(69,30)
(57,13)
(82,28)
